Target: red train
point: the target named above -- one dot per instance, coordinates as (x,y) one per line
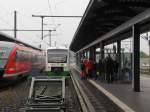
(16,60)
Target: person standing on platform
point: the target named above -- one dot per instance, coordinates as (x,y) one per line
(94,70)
(82,59)
(109,71)
(90,67)
(85,62)
(104,68)
(116,67)
(82,73)
(100,70)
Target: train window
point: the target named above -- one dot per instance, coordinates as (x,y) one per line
(4,52)
(28,56)
(19,56)
(23,56)
(16,57)
(57,56)
(32,58)
(35,58)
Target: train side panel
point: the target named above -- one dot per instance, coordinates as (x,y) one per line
(22,60)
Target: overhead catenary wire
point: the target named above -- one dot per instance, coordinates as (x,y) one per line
(31,21)
(21,14)
(28,17)
(6,11)
(58,20)
(42,41)
(7,14)
(61,2)
(5,22)
(51,12)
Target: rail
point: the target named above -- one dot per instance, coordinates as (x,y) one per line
(83,99)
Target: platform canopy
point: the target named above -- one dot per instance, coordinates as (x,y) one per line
(5,37)
(103,16)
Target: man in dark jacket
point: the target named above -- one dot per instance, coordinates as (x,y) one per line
(109,69)
(99,70)
(116,67)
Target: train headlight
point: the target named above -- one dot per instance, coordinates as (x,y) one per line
(12,69)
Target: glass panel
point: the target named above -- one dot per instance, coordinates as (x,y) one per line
(4,54)
(57,56)
(126,54)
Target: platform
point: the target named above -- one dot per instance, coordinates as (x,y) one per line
(138,101)
(123,92)
(95,99)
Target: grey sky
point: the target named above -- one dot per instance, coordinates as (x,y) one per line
(25,9)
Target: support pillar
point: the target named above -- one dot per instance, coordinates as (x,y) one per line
(136,58)
(15,24)
(102,50)
(79,59)
(80,54)
(86,54)
(92,53)
(119,53)
(95,53)
(76,59)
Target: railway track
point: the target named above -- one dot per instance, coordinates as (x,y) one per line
(53,94)
(13,95)
(77,97)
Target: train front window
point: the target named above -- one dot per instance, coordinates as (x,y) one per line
(4,54)
(57,56)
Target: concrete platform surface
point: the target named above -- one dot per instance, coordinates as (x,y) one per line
(138,101)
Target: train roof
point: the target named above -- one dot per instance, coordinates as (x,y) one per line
(12,44)
(7,44)
(7,38)
(63,48)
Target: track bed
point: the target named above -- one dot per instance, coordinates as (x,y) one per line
(13,98)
